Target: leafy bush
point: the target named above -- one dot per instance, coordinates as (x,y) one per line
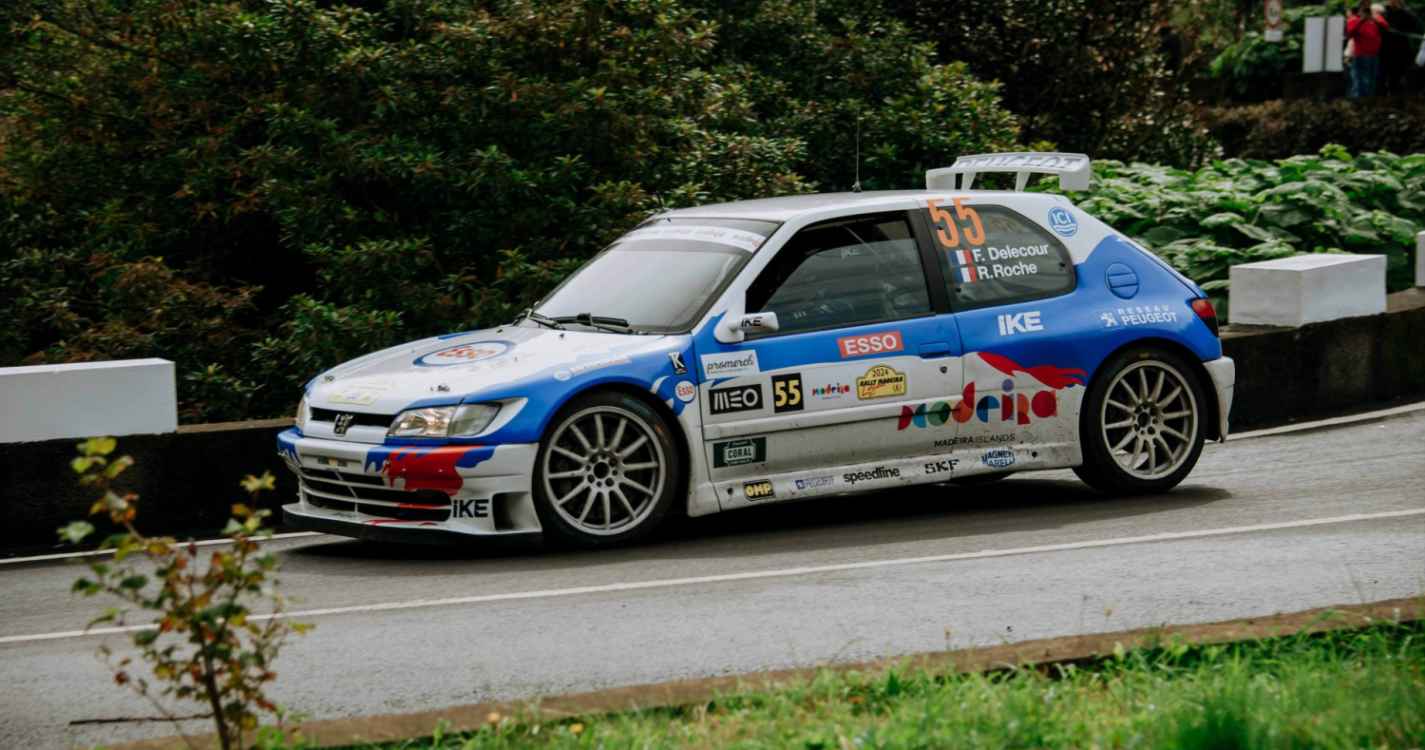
(378,172)
(1240,211)
(1279,129)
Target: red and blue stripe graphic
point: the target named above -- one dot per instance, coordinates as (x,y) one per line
(967,273)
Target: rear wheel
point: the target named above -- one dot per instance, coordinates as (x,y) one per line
(606,472)
(1142,427)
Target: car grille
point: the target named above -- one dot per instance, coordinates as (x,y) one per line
(345,491)
(358,420)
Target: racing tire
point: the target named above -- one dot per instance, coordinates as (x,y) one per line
(1143,423)
(606,472)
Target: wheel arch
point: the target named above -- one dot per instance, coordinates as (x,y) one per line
(1213,414)
(680,438)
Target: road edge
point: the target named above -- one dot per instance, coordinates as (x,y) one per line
(407,726)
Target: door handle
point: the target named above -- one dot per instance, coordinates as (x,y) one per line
(935,349)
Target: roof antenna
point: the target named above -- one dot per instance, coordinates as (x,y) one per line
(856,187)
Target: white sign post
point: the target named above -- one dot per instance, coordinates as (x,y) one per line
(1335,43)
(1313,46)
(1273,12)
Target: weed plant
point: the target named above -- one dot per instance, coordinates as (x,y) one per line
(1347,689)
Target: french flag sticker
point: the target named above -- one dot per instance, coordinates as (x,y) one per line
(967,273)
(962,257)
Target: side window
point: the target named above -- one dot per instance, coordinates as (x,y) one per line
(849,271)
(993,256)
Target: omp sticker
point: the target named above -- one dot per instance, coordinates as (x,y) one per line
(726,365)
(759,490)
(361,394)
(871,343)
(465,353)
(737,238)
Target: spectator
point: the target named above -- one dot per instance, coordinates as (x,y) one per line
(1397,48)
(1364,30)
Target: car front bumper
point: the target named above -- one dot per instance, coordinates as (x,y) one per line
(412,493)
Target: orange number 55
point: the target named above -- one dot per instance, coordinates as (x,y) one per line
(946,229)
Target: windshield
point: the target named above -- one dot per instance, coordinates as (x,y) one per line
(662,276)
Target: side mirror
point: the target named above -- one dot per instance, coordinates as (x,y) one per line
(758,322)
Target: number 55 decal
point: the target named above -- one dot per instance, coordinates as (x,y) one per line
(787,393)
(974,232)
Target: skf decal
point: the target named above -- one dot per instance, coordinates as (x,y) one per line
(880,382)
(735,399)
(473,508)
(942,467)
(787,393)
(871,343)
(1012,323)
(761,490)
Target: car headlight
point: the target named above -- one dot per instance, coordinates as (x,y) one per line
(444,421)
(302,413)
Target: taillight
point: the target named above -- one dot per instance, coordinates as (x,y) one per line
(1203,307)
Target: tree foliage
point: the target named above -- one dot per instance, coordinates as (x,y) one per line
(260,189)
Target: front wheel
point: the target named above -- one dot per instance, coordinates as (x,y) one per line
(1142,427)
(606,472)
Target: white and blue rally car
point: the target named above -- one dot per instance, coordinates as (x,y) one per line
(783,349)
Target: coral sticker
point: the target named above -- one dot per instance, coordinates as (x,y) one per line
(464,354)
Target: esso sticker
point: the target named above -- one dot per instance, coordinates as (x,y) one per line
(686,392)
(873,343)
(464,354)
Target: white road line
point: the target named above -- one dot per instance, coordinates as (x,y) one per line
(91,553)
(755,575)
(1332,422)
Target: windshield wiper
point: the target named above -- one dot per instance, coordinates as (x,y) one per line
(616,325)
(530,314)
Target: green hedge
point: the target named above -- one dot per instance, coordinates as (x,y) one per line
(1239,211)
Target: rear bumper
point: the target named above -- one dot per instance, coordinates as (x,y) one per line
(1223,372)
(437,494)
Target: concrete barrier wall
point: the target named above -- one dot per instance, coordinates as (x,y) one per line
(188,480)
(50,402)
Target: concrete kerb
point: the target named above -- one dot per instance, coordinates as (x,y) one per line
(1037,653)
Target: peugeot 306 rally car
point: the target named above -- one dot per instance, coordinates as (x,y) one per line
(782,349)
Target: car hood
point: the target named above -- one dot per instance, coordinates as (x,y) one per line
(469,366)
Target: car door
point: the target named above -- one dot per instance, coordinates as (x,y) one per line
(1010,281)
(859,349)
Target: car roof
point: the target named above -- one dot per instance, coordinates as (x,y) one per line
(786,207)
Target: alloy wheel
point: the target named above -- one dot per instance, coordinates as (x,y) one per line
(604,470)
(1149,419)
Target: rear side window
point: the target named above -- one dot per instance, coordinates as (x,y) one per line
(844,272)
(993,256)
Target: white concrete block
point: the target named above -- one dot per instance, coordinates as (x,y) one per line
(1307,289)
(1420,259)
(87,399)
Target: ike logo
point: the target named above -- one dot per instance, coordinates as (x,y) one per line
(1025,322)
(472,508)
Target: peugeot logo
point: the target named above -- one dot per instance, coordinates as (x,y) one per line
(343,421)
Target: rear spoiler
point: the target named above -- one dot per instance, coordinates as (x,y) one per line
(1073,169)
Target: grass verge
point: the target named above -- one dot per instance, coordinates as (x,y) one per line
(1339,689)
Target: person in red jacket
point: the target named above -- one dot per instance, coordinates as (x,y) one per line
(1365,30)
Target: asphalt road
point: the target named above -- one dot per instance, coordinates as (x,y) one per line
(840,580)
